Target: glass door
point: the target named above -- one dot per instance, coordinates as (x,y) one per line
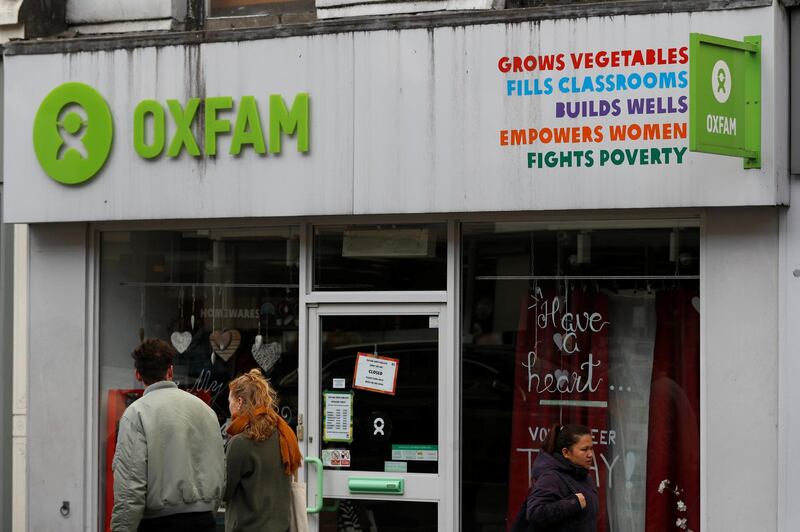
(376,398)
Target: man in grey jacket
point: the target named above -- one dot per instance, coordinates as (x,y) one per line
(169,465)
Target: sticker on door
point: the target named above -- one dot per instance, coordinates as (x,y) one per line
(336,457)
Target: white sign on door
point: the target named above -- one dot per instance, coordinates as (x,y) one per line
(338,417)
(375,373)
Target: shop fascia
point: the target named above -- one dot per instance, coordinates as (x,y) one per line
(150,121)
(73,146)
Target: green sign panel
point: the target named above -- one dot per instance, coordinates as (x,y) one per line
(725,97)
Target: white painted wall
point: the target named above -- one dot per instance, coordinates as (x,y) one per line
(58,383)
(789,398)
(401,122)
(19,394)
(739,379)
(6,368)
(781,72)
(789,419)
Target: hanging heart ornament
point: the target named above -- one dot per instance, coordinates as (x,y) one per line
(267,355)
(225,343)
(181,340)
(558,339)
(565,343)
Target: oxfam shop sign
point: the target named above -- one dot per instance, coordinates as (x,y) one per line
(725,95)
(73,129)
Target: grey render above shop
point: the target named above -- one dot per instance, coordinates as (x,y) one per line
(53,33)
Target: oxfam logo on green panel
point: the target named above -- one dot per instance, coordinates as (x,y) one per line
(72,133)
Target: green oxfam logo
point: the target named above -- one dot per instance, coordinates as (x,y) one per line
(72,133)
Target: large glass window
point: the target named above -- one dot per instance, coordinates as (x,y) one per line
(227,300)
(380,257)
(598,327)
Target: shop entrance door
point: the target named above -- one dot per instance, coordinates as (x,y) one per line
(376,381)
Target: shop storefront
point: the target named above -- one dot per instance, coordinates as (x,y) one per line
(433,261)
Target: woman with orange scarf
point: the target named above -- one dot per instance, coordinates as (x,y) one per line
(261,458)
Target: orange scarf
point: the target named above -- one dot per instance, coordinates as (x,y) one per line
(290,450)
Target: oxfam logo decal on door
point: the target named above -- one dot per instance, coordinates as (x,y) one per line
(72,133)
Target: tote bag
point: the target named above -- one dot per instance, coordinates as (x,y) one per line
(298,518)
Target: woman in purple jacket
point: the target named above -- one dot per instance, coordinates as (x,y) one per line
(563,497)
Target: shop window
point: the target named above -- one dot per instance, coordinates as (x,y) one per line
(597,327)
(380,257)
(211,293)
(243,8)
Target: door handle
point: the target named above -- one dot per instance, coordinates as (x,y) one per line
(395,486)
(317,508)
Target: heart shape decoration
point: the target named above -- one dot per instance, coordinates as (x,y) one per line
(267,355)
(225,343)
(181,340)
(696,303)
(561,375)
(565,344)
(558,339)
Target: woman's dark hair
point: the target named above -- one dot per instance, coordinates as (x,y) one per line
(563,436)
(152,359)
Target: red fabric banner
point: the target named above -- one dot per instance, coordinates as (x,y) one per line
(561,376)
(673,445)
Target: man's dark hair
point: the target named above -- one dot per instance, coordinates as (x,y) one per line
(152,359)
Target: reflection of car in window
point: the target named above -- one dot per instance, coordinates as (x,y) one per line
(487,375)
(485,369)
(487,391)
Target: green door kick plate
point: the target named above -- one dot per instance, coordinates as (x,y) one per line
(394,486)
